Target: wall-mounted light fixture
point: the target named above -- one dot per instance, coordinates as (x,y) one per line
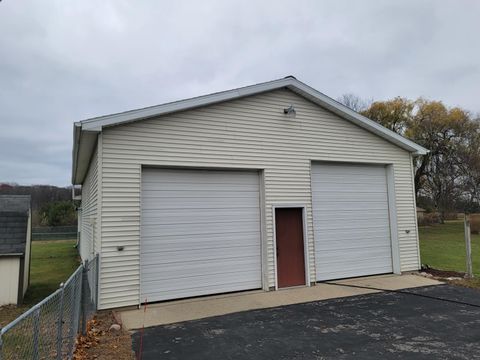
(290,112)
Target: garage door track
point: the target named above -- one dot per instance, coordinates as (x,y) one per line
(412,324)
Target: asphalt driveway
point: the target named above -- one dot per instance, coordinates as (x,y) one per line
(384,325)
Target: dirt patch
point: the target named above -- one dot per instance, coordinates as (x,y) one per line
(451,277)
(102,343)
(443,273)
(8,313)
(468,283)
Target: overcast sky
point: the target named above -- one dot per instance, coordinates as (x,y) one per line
(64,61)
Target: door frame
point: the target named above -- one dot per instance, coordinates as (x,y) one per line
(305,240)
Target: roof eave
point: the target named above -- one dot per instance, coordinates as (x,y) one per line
(84,142)
(95,125)
(77,128)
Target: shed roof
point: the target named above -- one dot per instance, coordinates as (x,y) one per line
(14,212)
(85,132)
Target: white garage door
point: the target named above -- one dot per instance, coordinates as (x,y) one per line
(200,233)
(351,221)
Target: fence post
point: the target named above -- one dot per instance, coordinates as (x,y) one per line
(468,248)
(36,331)
(73,310)
(60,323)
(83,297)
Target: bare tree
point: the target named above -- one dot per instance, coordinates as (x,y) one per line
(354,102)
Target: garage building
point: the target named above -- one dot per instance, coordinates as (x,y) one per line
(268,186)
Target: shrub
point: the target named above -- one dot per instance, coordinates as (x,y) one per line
(59,213)
(450,216)
(475,223)
(429,219)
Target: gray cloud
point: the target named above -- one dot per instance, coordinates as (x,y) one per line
(62,62)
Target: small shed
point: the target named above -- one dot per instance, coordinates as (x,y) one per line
(420,213)
(15,244)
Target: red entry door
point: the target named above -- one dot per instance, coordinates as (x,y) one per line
(290,251)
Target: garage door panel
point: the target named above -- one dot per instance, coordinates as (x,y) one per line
(197,248)
(360,221)
(166,215)
(343,183)
(195,176)
(187,280)
(200,233)
(333,197)
(338,186)
(204,217)
(200,238)
(213,193)
(350,213)
(353,239)
(356,253)
(352,207)
(200,228)
(195,187)
(212,254)
(201,241)
(174,292)
(180,270)
(346,170)
(199,203)
(194,257)
(349,272)
(351,220)
(197,258)
(225,263)
(360,266)
(346,177)
(343,245)
(198,282)
(334,233)
(337,221)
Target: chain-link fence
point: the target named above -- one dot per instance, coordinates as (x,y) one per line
(54,232)
(49,329)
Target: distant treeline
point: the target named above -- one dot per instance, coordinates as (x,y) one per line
(51,205)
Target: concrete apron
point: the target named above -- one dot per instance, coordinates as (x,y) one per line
(198,308)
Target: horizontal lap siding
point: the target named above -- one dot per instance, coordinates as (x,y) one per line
(250,133)
(89,221)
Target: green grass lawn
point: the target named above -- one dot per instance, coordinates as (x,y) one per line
(52,263)
(442,247)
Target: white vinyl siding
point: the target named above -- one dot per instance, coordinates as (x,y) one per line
(9,280)
(89,219)
(28,249)
(351,220)
(200,233)
(248,133)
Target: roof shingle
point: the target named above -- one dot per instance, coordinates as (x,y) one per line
(14,212)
